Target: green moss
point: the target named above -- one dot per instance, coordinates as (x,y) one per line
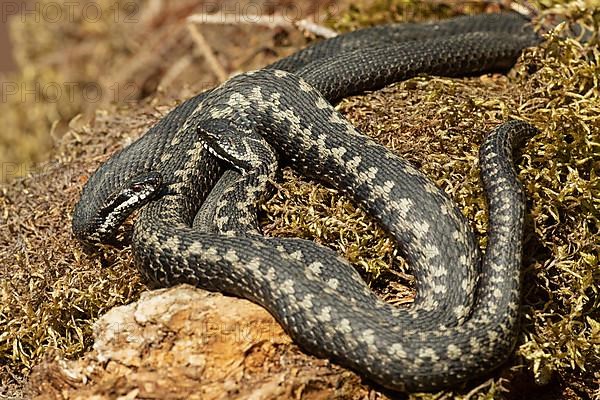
(563,98)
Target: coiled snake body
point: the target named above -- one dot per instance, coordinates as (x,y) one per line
(462,323)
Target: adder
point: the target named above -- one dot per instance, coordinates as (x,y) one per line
(459,327)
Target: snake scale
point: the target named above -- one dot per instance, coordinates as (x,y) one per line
(464,319)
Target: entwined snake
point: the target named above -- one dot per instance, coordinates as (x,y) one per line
(463,322)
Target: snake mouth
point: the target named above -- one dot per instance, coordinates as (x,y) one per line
(219,155)
(240,165)
(213,152)
(102,226)
(210,142)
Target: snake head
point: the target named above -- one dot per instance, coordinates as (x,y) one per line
(235,144)
(100,226)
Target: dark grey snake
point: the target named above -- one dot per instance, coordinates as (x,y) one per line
(463,322)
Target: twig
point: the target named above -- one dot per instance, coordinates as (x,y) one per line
(477,389)
(270,21)
(209,55)
(526,9)
(175,70)
(315,29)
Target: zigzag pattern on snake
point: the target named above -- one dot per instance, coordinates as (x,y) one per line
(446,337)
